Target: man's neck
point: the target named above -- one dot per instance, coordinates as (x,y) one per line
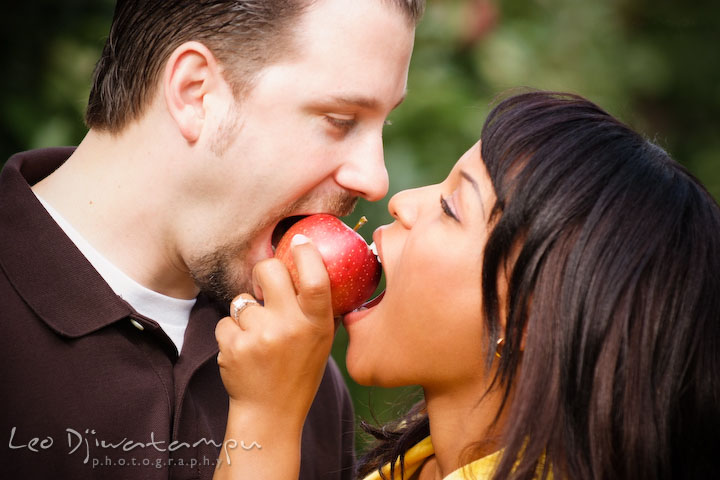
(111,191)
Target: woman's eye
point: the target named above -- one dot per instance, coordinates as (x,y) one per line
(341,123)
(447,210)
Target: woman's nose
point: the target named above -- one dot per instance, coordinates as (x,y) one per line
(404,206)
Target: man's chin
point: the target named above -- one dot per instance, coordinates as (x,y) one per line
(222,292)
(216,279)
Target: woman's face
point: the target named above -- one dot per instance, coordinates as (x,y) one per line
(428,328)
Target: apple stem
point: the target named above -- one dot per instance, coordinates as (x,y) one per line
(360,223)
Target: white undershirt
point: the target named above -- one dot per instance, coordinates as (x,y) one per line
(172,314)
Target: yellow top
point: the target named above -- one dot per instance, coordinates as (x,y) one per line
(480,469)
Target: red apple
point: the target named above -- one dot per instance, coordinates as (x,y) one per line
(353,268)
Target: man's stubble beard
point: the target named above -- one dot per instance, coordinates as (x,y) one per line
(213,274)
(224,273)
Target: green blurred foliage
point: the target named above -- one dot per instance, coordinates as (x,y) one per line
(49,50)
(654,64)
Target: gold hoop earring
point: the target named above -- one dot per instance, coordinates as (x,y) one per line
(499,347)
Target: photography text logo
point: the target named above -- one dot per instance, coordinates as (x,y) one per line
(87,444)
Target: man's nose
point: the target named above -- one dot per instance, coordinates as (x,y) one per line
(363,170)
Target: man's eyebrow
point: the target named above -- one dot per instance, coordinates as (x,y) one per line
(369,103)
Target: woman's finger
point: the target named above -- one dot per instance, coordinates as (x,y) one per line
(272,278)
(226,334)
(239,305)
(313,285)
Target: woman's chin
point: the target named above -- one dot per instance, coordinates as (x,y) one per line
(361,370)
(356,369)
(371,375)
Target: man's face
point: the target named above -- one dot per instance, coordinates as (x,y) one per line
(306,139)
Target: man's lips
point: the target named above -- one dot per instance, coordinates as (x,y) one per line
(283,226)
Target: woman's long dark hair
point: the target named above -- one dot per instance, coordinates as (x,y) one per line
(616,288)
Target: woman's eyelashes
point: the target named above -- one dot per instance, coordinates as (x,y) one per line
(447,209)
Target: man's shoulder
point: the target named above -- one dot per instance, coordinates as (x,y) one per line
(333,394)
(328,436)
(334,376)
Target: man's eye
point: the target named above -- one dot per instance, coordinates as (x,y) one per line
(447,210)
(344,124)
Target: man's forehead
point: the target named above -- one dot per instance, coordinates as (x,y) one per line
(350,12)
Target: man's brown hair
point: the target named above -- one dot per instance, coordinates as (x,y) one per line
(244,35)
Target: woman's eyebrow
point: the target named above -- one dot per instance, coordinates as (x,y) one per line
(475,186)
(472,181)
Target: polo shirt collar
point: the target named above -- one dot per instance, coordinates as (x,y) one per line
(41,262)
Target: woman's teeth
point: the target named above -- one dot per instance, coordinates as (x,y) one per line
(373,248)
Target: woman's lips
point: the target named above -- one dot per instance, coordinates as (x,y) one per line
(366,307)
(362,311)
(373,302)
(377,243)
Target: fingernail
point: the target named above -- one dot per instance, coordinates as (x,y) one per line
(299,239)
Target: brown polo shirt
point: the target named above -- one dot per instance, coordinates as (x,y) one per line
(93,389)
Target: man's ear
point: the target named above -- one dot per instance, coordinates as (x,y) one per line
(190,73)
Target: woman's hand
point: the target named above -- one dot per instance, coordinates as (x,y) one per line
(272,358)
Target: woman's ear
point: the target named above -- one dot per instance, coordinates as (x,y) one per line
(525,328)
(503,287)
(191,72)
(503,284)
